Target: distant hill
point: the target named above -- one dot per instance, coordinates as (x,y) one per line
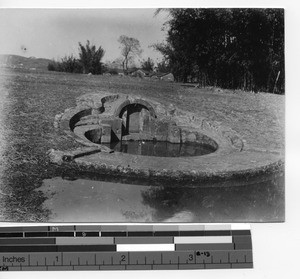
(17,61)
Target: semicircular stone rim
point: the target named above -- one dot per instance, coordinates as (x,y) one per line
(228,162)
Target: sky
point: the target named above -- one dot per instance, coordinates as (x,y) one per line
(54,33)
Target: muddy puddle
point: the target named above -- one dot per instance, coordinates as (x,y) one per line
(84,200)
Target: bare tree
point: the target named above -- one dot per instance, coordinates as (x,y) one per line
(130,47)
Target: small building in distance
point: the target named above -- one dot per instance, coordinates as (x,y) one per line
(163,76)
(140,73)
(152,75)
(167,77)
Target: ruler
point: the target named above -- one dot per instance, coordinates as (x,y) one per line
(125,247)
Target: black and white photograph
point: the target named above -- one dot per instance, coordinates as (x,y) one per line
(142,115)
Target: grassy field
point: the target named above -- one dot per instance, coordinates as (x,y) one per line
(29,101)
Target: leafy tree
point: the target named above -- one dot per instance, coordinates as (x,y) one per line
(163,67)
(230,48)
(147,65)
(90,58)
(130,47)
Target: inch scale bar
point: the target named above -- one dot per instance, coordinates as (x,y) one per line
(124,248)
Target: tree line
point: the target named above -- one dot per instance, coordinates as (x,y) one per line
(89,61)
(228,48)
(90,58)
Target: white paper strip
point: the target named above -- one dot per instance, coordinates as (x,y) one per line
(240,227)
(145,247)
(202,239)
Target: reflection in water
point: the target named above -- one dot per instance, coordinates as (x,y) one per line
(28,105)
(91,201)
(161,149)
(256,202)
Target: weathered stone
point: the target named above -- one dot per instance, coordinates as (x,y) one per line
(174,134)
(145,119)
(87,121)
(95,111)
(146,123)
(134,122)
(191,137)
(161,130)
(183,135)
(187,135)
(94,135)
(116,127)
(106,133)
(55,156)
(231,159)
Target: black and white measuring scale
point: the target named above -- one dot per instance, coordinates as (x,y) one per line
(125,247)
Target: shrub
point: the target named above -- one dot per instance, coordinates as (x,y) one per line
(113,71)
(68,64)
(89,61)
(52,66)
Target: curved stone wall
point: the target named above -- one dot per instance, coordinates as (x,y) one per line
(97,115)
